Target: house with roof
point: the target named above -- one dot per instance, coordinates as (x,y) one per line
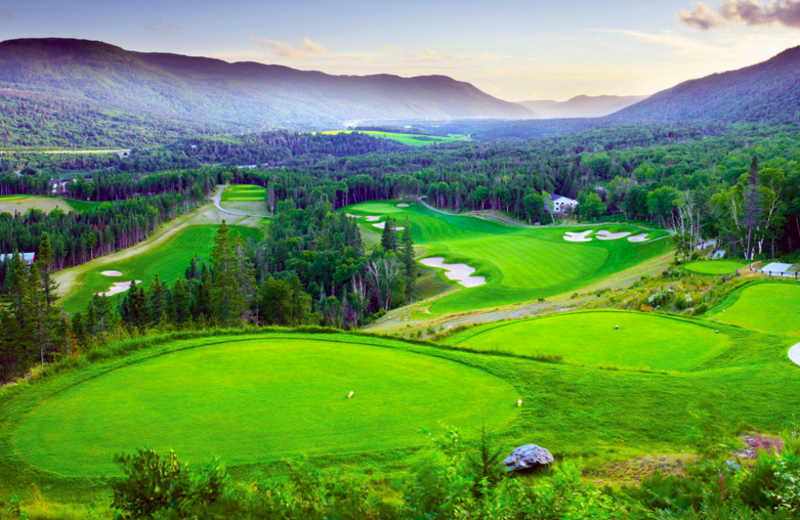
(59,185)
(560,204)
(28,258)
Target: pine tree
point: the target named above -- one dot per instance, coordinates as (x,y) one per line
(34,318)
(179,302)
(228,305)
(156,301)
(389,235)
(408,257)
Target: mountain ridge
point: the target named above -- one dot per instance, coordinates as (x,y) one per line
(580,106)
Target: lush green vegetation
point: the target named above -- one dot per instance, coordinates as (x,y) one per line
(168,261)
(770,307)
(243,193)
(261,399)
(519,264)
(604,338)
(713,267)
(409,139)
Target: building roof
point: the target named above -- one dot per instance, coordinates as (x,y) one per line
(554,197)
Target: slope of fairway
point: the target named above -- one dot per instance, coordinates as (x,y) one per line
(409,139)
(22,203)
(255,400)
(713,267)
(519,264)
(247,198)
(167,261)
(591,338)
(769,307)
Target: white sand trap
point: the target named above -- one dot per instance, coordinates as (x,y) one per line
(382,225)
(608,235)
(573,236)
(776,267)
(642,237)
(352,216)
(402,205)
(794,354)
(118,287)
(458,272)
(111,273)
(372,218)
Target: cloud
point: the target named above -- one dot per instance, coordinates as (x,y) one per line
(149,27)
(751,12)
(389,48)
(302,52)
(7,13)
(165,23)
(701,17)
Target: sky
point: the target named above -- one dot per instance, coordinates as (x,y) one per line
(515,50)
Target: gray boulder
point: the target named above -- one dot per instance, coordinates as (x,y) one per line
(528,456)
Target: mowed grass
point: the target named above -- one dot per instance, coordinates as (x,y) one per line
(409,139)
(261,399)
(768,307)
(713,267)
(245,198)
(591,338)
(519,264)
(168,261)
(22,203)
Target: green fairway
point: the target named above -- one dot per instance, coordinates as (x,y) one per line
(591,338)
(167,261)
(245,198)
(409,139)
(519,264)
(713,267)
(770,307)
(256,400)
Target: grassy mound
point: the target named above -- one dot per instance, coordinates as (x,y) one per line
(519,264)
(715,267)
(167,261)
(591,338)
(769,307)
(257,399)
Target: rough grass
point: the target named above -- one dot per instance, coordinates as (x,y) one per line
(409,139)
(519,264)
(260,399)
(22,203)
(713,267)
(167,261)
(591,338)
(768,306)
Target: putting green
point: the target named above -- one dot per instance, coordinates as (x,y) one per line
(768,307)
(642,340)
(261,399)
(520,264)
(713,267)
(167,261)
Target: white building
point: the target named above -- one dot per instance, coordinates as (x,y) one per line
(560,204)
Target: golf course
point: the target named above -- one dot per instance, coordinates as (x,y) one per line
(22,203)
(772,307)
(713,267)
(409,139)
(519,264)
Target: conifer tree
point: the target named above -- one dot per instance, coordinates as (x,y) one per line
(408,257)
(389,235)
(228,305)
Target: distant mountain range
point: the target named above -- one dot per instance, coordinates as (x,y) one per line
(250,95)
(766,92)
(580,106)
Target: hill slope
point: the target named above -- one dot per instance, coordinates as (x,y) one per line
(768,91)
(580,106)
(247,95)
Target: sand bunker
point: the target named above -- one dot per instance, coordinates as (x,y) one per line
(402,205)
(608,235)
(794,354)
(458,272)
(573,236)
(352,216)
(118,287)
(642,237)
(372,218)
(111,273)
(382,225)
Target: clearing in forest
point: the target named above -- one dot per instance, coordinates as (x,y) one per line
(409,139)
(519,263)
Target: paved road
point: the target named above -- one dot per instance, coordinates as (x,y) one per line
(218,196)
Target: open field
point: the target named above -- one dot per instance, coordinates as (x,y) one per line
(167,261)
(591,338)
(245,198)
(767,306)
(713,267)
(410,139)
(519,264)
(22,203)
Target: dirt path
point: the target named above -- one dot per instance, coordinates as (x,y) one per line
(218,197)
